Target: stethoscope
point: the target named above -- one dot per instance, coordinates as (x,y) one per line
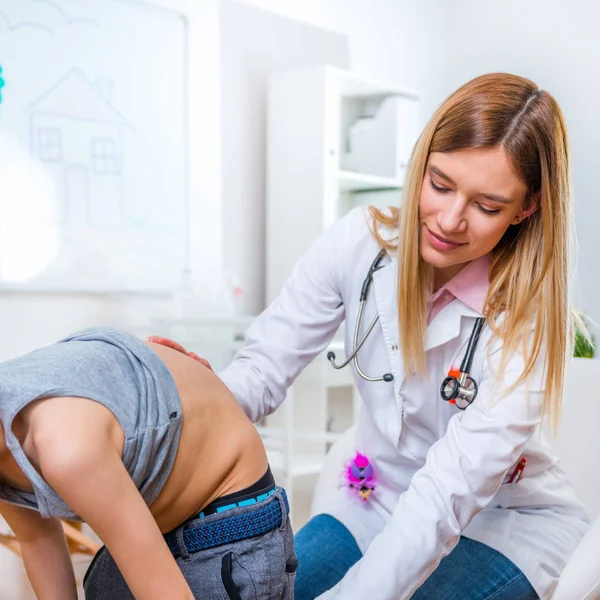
(364,292)
(460,390)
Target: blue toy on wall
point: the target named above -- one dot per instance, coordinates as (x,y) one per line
(1,84)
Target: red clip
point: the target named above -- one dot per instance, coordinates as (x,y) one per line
(453,373)
(517,474)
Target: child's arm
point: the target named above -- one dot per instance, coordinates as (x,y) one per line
(45,552)
(83,465)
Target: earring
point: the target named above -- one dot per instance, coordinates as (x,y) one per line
(517,220)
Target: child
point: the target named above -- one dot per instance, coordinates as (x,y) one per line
(149,448)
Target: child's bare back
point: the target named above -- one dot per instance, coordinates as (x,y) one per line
(220,451)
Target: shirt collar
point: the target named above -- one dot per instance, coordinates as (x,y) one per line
(470,285)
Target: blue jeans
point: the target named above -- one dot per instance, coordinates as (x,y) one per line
(472,571)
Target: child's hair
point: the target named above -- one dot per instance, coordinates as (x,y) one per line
(530,264)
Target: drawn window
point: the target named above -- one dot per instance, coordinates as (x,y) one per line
(104,156)
(50,144)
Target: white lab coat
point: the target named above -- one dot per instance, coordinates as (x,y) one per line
(441,472)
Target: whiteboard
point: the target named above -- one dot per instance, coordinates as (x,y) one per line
(93,146)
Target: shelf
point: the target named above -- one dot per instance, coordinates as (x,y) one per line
(278,433)
(303,464)
(338,378)
(351,181)
(354,85)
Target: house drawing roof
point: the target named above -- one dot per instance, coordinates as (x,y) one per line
(75,97)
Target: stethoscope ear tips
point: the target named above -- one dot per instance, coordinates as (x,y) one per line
(330,356)
(388,377)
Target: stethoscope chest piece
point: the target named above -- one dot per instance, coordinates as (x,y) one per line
(457,392)
(460,388)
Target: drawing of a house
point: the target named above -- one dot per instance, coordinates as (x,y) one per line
(80,137)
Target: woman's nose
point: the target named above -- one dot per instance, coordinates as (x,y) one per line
(452,218)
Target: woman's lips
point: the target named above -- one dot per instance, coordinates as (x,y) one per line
(440,243)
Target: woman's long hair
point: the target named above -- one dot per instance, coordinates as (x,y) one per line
(529,266)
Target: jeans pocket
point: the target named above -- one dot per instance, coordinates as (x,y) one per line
(291,566)
(242,583)
(227,577)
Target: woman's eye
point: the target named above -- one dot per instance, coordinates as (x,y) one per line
(437,188)
(444,190)
(487,211)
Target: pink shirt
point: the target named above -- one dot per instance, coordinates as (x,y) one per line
(470,286)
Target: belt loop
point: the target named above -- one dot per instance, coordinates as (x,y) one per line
(281,496)
(183,551)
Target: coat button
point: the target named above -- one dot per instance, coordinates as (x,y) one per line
(394,347)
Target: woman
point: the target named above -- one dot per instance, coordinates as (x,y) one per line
(150,449)
(469,501)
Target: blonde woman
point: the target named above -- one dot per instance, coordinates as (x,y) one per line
(465,498)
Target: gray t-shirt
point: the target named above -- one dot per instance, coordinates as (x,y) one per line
(120,372)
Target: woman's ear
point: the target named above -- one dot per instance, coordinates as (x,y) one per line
(532,204)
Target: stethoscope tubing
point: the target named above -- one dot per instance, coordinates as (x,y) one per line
(353,357)
(460,388)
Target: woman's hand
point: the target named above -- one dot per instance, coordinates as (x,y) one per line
(156,339)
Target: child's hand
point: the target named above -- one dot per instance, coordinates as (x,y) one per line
(156,339)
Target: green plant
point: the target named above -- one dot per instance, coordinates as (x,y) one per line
(585,343)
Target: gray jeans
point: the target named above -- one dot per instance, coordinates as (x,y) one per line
(258,568)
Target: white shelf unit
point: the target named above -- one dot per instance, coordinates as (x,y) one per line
(309,186)
(352,181)
(308,117)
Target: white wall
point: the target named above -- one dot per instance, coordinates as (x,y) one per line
(403,41)
(31,320)
(400,41)
(556,44)
(254,44)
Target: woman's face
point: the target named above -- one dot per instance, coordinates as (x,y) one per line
(468,200)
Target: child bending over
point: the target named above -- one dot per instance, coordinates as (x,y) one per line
(151,449)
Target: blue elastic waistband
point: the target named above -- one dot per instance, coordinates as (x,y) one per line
(253,494)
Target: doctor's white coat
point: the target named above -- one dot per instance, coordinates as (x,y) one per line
(441,472)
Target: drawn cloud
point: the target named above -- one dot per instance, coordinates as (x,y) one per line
(48,21)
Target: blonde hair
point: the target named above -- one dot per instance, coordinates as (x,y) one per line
(529,266)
